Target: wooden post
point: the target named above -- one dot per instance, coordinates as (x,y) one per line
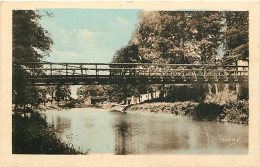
(236,65)
(163,90)
(205,75)
(96,70)
(183,75)
(81,69)
(66,69)
(109,71)
(237,88)
(33,69)
(51,68)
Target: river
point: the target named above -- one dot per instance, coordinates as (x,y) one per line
(103,131)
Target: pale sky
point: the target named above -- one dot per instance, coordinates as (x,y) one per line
(88,35)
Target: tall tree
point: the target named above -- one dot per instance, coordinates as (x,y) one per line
(237,40)
(30,43)
(51,90)
(84,92)
(208,33)
(180,37)
(62,93)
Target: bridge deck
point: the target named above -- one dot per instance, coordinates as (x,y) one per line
(132,73)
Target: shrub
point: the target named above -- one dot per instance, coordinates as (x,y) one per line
(70,104)
(237,111)
(195,93)
(33,136)
(209,111)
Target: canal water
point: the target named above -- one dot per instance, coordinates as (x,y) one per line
(103,131)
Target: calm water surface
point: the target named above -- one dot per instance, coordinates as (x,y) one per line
(103,131)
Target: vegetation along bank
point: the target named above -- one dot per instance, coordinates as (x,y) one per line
(32,135)
(232,111)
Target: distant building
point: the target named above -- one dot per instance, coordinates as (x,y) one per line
(143,97)
(242,63)
(91,100)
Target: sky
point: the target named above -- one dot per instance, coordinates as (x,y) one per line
(88,35)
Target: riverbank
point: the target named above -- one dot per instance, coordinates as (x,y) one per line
(177,108)
(232,111)
(32,135)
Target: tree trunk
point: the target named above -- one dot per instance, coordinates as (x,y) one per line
(237,90)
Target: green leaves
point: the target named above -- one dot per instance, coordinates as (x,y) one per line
(29,37)
(176,37)
(187,37)
(33,136)
(237,111)
(62,93)
(237,41)
(30,43)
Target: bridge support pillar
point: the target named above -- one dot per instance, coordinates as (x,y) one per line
(237,88)
(210,87)
(163,91)
(216,88)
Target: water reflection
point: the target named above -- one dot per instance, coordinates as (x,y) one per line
(106,132)
(123,134)
(61,124)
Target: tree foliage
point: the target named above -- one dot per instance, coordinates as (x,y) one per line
(237,40)
(84,92)
(30,43)
(185,37)
(179,37)
(62,93)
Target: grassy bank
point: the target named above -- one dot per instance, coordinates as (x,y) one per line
(232,111)
(31,135)
(177,108)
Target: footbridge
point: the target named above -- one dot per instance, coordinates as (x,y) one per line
(128,73)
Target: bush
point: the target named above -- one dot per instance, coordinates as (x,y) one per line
(70,104)
(195,93)
(243,94)
(33,136)
(232,111)
(237,111)
(209,111)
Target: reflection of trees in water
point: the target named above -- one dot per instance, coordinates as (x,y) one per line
(62,124)
(164,136)
(154,136)
(123,132)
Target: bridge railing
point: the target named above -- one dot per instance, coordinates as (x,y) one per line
(123,68)
(54,71)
